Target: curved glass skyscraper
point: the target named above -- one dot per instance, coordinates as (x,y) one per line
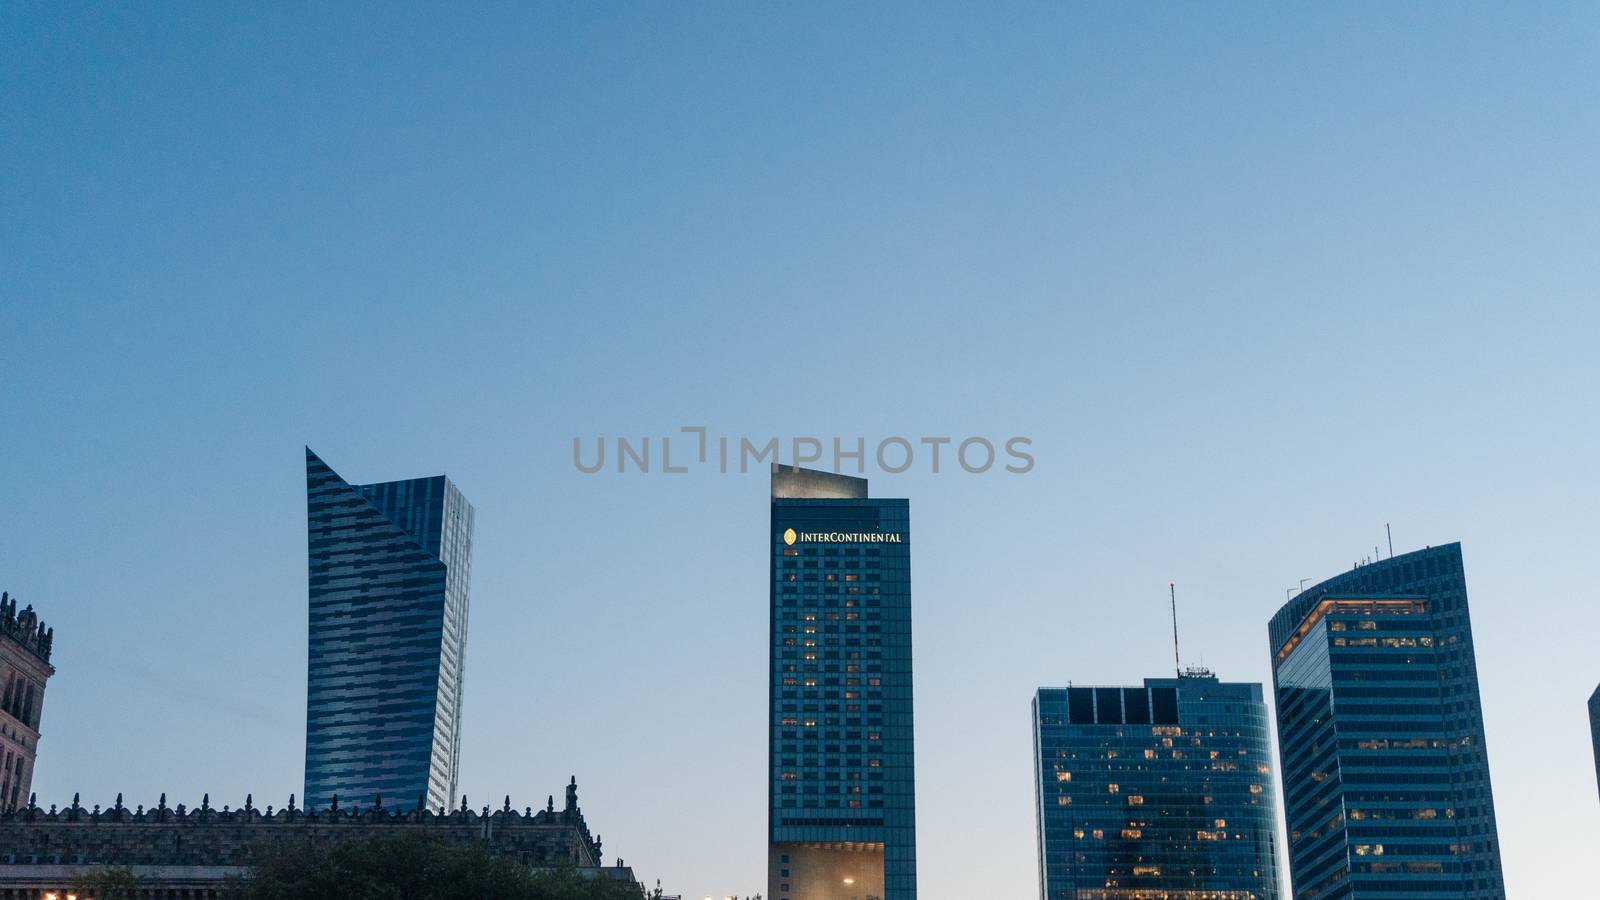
(1380,732)
(389,566)
(1157,792)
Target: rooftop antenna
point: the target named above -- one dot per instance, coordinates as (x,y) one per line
(1172,594)
(1390,535)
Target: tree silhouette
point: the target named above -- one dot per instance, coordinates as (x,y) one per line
(415,867)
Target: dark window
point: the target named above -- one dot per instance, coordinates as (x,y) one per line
(1165,701)
(1109,701)
(1080,706)
(1136,704)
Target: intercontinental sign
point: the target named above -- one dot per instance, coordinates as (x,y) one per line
(791,537)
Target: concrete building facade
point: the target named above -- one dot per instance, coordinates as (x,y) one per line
(191,853)
(25,645)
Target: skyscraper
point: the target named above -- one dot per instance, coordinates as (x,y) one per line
(389,565)
(1160,791)
(1380,734)
(841,802)
(1594,730)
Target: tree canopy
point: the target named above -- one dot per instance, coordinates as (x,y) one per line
(412,867)
(107,883)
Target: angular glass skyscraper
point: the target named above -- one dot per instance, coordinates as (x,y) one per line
(1160,791)
(1380,733)
(841,803)
(389,565)
(1594,730)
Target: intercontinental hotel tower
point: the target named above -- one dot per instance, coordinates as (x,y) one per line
(841,802)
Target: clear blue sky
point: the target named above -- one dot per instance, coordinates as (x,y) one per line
(1257,279)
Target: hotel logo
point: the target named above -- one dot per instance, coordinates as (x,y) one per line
(791,537)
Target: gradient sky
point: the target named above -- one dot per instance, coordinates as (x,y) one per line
(1256,278)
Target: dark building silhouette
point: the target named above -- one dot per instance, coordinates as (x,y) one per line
(389,566)
(1157,791)
(192,852)
(841,802)
(25,645)
(1594,730)
(1380,734)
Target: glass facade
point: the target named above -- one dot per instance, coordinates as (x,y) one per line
(841,805)
(1380,734)
(1594,730)
(389,568)
(1159,792)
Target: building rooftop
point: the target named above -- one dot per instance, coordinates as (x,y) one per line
(25,628)
(795,483)
(117,835)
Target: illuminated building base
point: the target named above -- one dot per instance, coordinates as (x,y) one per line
(825,871)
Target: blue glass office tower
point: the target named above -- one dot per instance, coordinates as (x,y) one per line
(1160,791)
(1594,730)
(841,804)
(1380,734)
(389,565)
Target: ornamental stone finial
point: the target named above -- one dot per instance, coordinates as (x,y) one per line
(507,807)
